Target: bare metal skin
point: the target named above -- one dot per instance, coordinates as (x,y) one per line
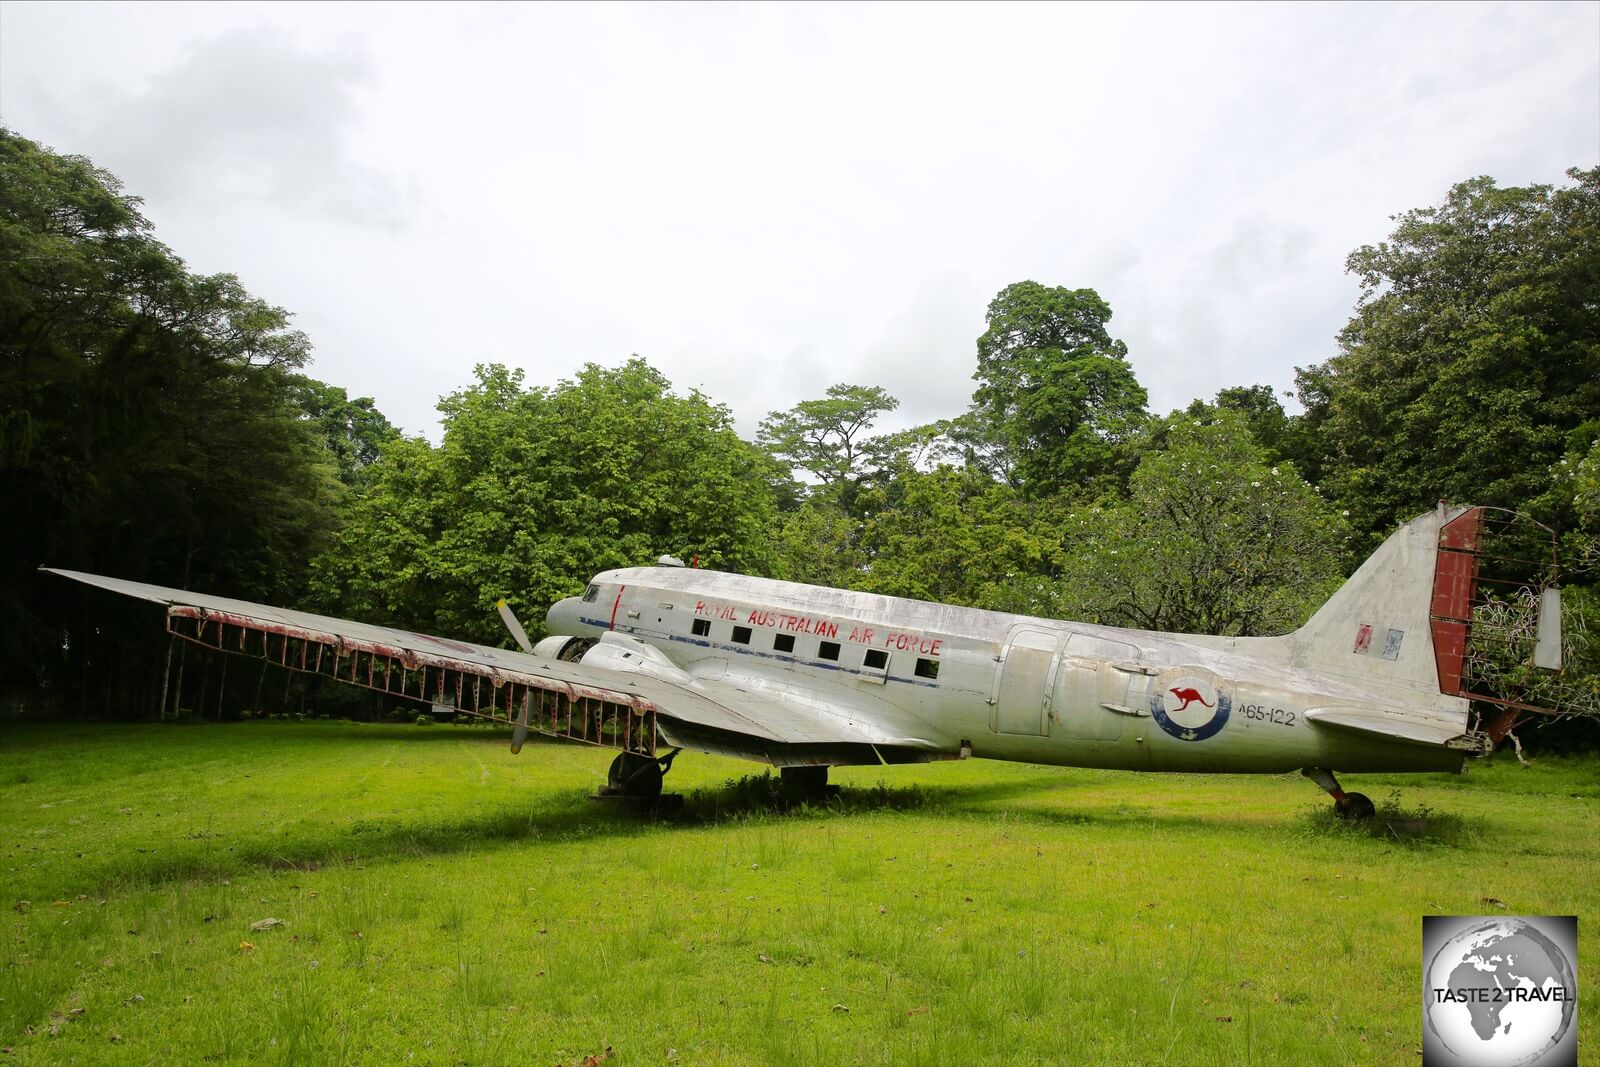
(804,677)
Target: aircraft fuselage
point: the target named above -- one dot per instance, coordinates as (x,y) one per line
(962,681)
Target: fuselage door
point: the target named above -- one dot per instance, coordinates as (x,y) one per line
(1023,686)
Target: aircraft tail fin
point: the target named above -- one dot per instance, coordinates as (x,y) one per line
(1436,609)
(1380,625)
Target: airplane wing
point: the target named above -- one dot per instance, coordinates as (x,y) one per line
(607,706)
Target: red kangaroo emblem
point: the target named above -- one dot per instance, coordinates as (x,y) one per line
(1188,694)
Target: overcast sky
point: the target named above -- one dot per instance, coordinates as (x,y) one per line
(765,200)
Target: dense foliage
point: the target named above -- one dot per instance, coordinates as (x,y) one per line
(534,490)
(1472,364)
(147,421)
(154,424)
(1214,538)
(1056,389)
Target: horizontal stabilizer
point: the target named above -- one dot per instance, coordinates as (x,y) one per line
(1394,725)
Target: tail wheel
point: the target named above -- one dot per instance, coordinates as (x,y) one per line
(1355,806)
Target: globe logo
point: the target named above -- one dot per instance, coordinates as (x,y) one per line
(1498,992)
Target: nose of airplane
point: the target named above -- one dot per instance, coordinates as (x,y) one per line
(562,618)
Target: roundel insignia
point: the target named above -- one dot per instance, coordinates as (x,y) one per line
(1190,707)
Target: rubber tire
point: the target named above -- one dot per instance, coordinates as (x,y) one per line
(807,785)
(633,775)
(1357,807)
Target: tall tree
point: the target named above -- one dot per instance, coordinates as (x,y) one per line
(353,431)
(146,424)
(1057,389)
(1214,538)
(1473,354)
(830,438)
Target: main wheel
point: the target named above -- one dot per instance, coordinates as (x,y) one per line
(1355,806)
(633,775)
(806,785)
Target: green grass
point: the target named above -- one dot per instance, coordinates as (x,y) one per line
(445,902)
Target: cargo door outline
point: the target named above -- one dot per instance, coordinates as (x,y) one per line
(1100,687)
(1025,681)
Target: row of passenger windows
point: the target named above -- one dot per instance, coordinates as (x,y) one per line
(876,659)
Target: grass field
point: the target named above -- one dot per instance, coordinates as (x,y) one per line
(442,901)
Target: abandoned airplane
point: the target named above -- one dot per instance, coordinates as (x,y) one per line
(654,660)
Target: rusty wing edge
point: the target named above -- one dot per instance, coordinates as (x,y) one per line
(555,707)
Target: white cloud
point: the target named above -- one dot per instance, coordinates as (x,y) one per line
(764,200)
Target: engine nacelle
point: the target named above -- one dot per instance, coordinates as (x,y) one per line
(563,647)
(620,652)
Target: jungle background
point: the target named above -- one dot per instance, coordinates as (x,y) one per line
(158,425)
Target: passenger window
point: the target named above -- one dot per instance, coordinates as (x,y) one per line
(741,635)
(927,668)
(701,628)
(828,650)
(783,643)
(877,659)
(590,593)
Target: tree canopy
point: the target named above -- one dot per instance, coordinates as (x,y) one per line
(157,424)
(1214,538)
(1056,388)
(147,424)
(534,490)
(828,438)
(1473,356)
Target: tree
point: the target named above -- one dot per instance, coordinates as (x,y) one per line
(146,424)
(829,438)
(1473,354)
(1057,389)
(533,491)
(1213,539)
(819,543)
(954,535)
(353,431)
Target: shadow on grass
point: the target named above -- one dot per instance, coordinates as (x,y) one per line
(1397,824)
(571,816)
(763,794)
(566,817)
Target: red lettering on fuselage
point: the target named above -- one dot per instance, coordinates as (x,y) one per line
(801,624)
(918,643)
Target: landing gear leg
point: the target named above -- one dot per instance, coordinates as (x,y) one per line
(1347,805)
(806,785)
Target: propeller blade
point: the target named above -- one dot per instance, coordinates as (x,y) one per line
(518,634)
(519,732)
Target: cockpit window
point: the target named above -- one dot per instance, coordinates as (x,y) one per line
(590,593)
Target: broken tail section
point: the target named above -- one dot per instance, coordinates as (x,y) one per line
(1458,604)
(1378,626)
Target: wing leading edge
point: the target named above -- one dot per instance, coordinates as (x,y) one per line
(598,705)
